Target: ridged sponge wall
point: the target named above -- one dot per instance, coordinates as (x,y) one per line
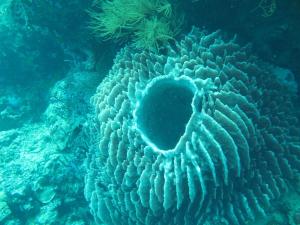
(202,134)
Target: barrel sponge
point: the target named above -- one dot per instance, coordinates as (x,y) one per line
(199,134)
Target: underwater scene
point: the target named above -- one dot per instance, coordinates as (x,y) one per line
(149,112)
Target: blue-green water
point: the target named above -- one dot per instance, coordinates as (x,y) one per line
(149,112)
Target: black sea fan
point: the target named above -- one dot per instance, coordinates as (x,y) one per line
(202,134)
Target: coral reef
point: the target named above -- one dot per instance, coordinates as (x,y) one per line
(235,146)
(41,163)
(49,67)
(20,105)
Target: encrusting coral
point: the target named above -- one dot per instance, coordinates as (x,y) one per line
(147,23)
(202,135)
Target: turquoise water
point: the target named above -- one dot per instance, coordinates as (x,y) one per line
(149,112)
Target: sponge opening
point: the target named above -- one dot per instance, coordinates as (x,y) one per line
(164,111)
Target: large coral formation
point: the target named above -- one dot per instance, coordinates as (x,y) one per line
(235,146)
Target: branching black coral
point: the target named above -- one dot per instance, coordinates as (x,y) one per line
(148,24)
